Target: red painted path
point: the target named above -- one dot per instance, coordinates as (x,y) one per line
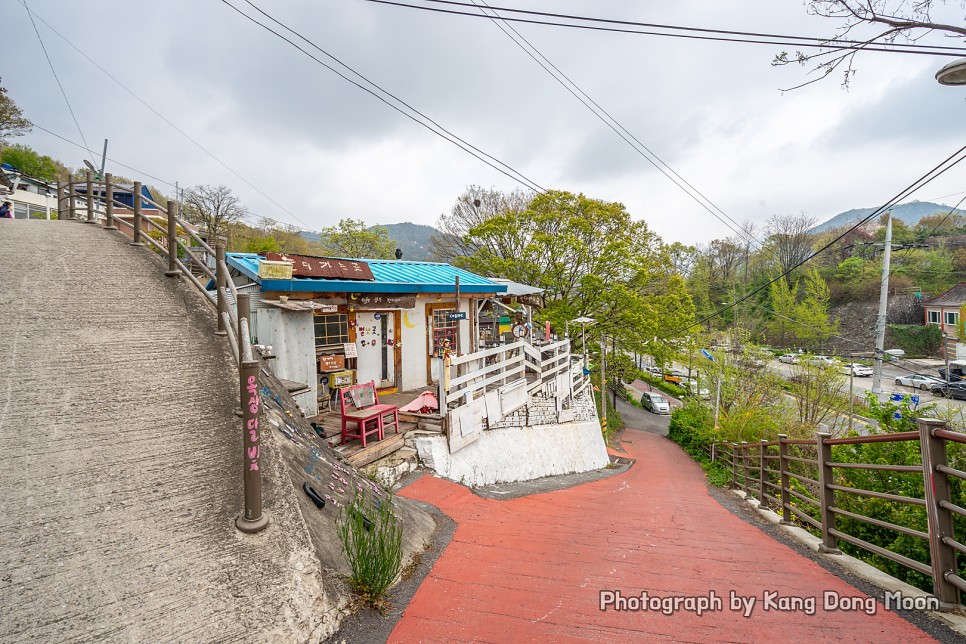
(530,569)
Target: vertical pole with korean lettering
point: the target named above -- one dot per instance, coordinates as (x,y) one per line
(252,519)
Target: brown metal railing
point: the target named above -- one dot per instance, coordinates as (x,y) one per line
(234,325)
(752,471)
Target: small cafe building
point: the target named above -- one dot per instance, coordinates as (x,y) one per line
(336,322)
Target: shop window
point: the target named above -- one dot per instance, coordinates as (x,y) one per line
(445,329)
(331,330)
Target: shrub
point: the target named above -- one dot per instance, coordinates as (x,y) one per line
(372,546)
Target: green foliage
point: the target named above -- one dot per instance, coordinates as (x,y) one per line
(372,545)
(353,239)
(31,163)
(665,386)
(917,340)
(262,245)
(590,258)
(692,428)
(614,421)
(804,322)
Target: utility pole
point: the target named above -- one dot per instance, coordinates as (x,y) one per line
(851,397)
(603,384)
(883,309)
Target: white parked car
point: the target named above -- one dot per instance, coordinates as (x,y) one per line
(655,403)
(822,361)
(920,381)
(789,358)
(856,369)
(695,390)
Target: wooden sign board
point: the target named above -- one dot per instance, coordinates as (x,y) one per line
(331,363)
(377,301)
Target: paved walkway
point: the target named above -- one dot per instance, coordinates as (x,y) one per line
(120,458)
(531,569)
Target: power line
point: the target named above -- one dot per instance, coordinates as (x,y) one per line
(802,41)
(162,117)
(57,78)
(510,172)
(616,126)
(114,161)
(677,27)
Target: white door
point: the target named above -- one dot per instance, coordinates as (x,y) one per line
(374,342)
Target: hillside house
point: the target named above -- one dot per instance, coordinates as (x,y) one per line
(943,311)
(335,321)
(30,197)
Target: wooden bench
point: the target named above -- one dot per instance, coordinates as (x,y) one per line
(359,405)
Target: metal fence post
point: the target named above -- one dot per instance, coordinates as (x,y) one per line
(172,240)
(783,468)
(244,309)
(71,203)
(744,466)
(60,200)
(940,520)
(137,215)
(221,283)
(109,207)
(734,466)
(91,216)
(252,519)
(762,461)
(826,494)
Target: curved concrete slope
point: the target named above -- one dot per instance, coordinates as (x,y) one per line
(120,459)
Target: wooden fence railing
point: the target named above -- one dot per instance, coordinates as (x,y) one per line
(803,481)
(98,198)
(510,374)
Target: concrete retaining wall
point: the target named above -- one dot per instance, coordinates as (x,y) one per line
(512,454)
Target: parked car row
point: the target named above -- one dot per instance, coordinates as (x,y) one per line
(921,381)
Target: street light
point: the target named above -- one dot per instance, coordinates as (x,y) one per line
(582,320)
(953,74)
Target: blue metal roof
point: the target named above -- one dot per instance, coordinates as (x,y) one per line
(392,276)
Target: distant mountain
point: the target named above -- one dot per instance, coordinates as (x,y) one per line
(412,239)
(910,213)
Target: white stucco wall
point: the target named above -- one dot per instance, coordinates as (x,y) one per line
(518,453)
(292,336)
(414,346)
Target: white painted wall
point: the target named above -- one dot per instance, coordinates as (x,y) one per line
(518,453)
(292,336)
(414,346)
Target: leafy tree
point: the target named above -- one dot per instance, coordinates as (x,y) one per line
(471,209)
(590,258)
(213,208)
(12,120)
(789,240)
(813,324)
(783,305)
(262,245)
(869,22)
(352,238)
(31,163)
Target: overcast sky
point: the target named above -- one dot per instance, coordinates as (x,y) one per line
(322,149)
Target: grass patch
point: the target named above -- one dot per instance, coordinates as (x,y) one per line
(372,545)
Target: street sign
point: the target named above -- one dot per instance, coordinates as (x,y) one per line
(895,397)
(456,316)
(707,354)
(915,399)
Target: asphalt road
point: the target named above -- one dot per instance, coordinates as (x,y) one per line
(889,374)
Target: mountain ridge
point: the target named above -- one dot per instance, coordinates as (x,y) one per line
(910,213)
